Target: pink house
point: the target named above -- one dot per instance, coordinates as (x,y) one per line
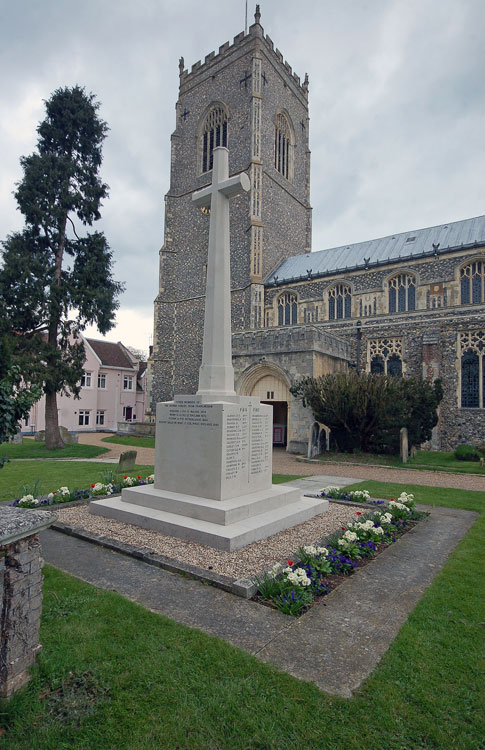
(112,391)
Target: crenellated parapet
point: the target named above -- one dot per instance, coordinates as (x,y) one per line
(241,43)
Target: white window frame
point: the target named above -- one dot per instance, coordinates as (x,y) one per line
(86,379)
(84,417)
(128,382)
(100,416)
(102,381)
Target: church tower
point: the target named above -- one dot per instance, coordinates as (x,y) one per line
(247,98)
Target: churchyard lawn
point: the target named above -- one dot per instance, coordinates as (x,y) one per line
(140,442)
(20,478)
(112,674)
(29,448)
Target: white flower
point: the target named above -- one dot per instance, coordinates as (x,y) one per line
(401,506)
(310,550)
(305,582)
(288,570)
(350,536)
(322,551)
(51,495)
(64,491)
(150,478)
(386,518)
(379,530)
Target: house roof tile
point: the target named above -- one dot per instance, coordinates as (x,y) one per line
(110,354)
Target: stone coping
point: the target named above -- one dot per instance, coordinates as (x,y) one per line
(17,523)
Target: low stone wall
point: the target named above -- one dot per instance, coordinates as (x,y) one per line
(138,429)
(20,593)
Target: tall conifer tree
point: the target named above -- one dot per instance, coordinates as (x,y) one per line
(55,281)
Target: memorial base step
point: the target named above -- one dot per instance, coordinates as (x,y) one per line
(216,511)
(227,537)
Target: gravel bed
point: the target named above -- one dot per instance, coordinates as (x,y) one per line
(242,563)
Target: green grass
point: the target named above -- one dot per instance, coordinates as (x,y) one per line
(448,498)
(142,442)
(280,478)
(423,460)
(54,474)
(30,449)
(145,682)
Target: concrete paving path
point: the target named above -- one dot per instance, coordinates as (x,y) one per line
(336,644)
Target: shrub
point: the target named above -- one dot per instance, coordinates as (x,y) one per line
(467,453)
(366,411)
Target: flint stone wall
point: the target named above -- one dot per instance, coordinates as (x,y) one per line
(20,594)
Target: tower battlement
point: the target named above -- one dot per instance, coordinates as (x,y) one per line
(240,41)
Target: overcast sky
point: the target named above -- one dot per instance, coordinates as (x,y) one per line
(397,107)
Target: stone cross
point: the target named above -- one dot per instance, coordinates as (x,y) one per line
(216,374)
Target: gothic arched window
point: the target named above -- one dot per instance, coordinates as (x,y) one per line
(385,356)
(339,302)
(470,378)
(472,371)
(402,293)
(287,310)
(214,133)
(472,283)
(377,366)
(283,148)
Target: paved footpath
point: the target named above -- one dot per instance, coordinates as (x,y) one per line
(336,644)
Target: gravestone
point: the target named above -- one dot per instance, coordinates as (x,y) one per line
(40,436)
(17,438)
(127,461)
(213,450)
(403,441)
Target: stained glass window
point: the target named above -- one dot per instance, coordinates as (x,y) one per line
(402,293)
(287,310)
(472,283)
(339,302)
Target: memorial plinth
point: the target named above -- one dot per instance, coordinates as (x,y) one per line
(213,450)
(213,467)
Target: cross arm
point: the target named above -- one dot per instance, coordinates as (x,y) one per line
(235,185)
(202,197)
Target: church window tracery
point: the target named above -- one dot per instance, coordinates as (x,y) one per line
(339,302)
(472,369)
(283,148)
(214,133)
(402,293)
(472,283)
(385,356)
(287,309)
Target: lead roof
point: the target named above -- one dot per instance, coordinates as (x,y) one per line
(418,243)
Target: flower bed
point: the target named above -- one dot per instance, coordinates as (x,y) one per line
(292,589)
(341,493)
(98,489)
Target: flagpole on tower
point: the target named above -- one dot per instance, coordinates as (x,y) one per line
(246,19)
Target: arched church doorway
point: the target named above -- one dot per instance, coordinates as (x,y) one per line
(270,385)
